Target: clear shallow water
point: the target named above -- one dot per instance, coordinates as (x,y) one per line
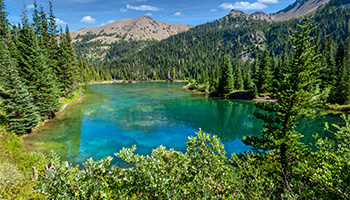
(149,114)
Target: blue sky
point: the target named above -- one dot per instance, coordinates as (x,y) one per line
(90,13)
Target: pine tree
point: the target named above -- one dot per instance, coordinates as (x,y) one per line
(237,77)
(328,65)
(255,70)
(340,94)
(3,20)
(67,65)
(20,113)
(265,75)
(248,83)
(226,81)
(212,80)
(279,136)
(34,70)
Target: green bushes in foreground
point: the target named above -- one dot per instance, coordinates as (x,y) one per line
(204,172)
(16,168)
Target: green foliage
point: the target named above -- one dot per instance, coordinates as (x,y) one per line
(21,114)
(226,80)
(201,172)
(16,168)
(330,163)
(264,77)
(3,20)
(341,92)
(204,172)
(66,70)
(293,96)
(30,74)
(39,79)
(237,77)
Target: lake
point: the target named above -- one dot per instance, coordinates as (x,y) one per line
(150,114)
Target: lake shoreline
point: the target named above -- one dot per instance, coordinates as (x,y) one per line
(130,81)
(236,95)
(63,107)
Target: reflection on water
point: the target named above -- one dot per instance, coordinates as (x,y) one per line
(148,115)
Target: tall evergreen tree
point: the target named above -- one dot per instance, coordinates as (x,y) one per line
(34,70)
(279,136)
(212,80)
(255,69)
(225,86)
(328,65)
(67,65)
(20,112)
(340,93)
(237,77)
(3,20)
(248,83)
(265,74)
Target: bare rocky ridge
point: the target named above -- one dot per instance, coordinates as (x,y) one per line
(295,10)
(298,9)
(141,28)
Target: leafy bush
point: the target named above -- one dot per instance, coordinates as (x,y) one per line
(16,168)
(201,172)
(204,172)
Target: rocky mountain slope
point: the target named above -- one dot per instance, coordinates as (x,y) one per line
(141,28)
(297,9)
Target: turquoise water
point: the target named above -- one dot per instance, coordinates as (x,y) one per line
(149,114)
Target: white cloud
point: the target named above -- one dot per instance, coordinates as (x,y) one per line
(88,20)
(178,14)
(143,8)
(243,5)
(213,10)
(268,1)
(148,14)
(108,22)
(122,9)
(60,22)
(31,6)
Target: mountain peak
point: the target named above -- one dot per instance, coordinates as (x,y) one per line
(141,28)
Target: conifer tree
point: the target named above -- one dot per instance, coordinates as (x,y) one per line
(279,136)
(237,77)
(20,112)
(248,83)
(255,70)
(67,65)
(340,94)
(265,74)
(226,81)
(212,80)
(3,20)
(328,68)
(34,70)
